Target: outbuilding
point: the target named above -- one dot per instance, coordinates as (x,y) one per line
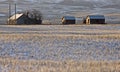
(95,19)
(19,19)
(68,20)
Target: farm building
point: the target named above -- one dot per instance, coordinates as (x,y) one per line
(17,19)
(95,19)
(68,20)
(23,19)
(84,21)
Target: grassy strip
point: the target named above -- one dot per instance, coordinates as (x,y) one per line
(13,65)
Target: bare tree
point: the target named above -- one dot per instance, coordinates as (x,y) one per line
(33,14)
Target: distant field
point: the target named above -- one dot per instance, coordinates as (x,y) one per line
(60,48)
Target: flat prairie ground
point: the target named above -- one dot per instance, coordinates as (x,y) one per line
(60,48)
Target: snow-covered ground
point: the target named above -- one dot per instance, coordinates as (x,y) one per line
(63,48)
(59,42)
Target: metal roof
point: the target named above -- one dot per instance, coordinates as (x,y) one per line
(15,16)
(96,16)
(69,17)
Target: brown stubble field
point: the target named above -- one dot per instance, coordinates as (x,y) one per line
(60,48)
(14,65)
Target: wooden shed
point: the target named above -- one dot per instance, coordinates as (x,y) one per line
(19,19)
(95,19)
(68,20)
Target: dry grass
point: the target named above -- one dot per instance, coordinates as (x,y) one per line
(89,35)
(14,65)
(59,48)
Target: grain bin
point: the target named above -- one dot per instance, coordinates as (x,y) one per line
(95,19)
(68,20)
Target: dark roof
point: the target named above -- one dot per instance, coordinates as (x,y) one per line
(96,16)
(69,17)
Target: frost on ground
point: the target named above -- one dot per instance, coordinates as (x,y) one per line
(60,43)
(59,47)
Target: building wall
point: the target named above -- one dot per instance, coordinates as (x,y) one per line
(21,20)
(11,22)
(88,20)
(63,20)
(97,21)
(68,21)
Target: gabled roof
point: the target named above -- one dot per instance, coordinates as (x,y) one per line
(15,16)
(96,16)
(69,17)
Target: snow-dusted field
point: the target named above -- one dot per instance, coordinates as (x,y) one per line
(60,43)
